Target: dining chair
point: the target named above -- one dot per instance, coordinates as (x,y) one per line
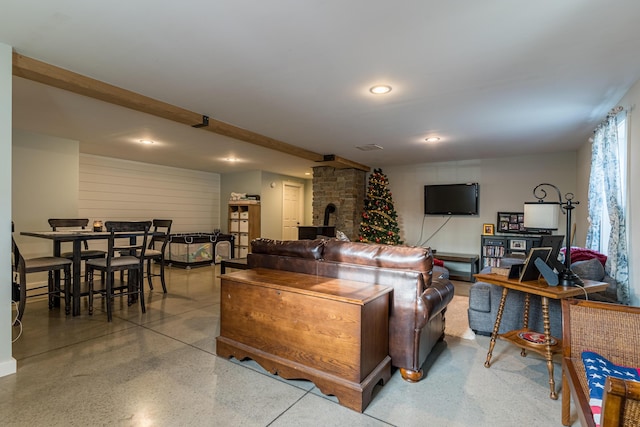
(86,253)
(161,232)
(21,267)
(120,258)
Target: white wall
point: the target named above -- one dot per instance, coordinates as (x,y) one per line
(505,184)
(45,185)
(114,189)
(7,362)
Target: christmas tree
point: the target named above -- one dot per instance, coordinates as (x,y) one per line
(379,219)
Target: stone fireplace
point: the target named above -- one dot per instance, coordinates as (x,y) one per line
(344,188)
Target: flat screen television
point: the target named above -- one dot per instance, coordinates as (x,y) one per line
(451,199)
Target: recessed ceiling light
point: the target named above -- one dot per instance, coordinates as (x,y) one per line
(432,139)
(369,147)
(307,173)
(231,159)
(380,89)
(146,141)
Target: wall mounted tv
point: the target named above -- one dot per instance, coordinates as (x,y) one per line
(451,199)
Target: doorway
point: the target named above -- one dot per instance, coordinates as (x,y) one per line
(292,209)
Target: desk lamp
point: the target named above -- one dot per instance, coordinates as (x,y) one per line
(543,215)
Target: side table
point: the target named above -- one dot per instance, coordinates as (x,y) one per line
(523,337)
(471,259)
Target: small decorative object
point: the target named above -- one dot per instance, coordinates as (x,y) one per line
(487,229)
(97,225)
(536,338)
(238,196)
(341,236)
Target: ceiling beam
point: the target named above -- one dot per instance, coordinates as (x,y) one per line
(51,75)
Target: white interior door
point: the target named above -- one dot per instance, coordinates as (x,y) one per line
(292,209)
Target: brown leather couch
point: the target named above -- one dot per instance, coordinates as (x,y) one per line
(417,313)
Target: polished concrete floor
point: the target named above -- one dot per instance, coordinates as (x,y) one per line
(160,369)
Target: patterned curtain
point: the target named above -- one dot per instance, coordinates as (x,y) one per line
(605,175)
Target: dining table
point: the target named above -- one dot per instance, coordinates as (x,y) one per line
(76,237)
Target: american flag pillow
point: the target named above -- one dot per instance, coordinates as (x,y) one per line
(598,369)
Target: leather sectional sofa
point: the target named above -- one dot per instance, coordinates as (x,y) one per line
(419,301)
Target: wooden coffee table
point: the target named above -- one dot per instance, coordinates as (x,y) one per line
(540,287)
(334,332)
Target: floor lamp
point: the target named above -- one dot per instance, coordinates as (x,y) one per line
(543,215)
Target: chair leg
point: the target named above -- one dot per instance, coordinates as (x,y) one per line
(164,284)
(67,290)
(109,297)
(149,274)
(141,290)
(51,291)
(23,297)
(90,282)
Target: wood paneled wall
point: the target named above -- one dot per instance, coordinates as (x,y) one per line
(114,189)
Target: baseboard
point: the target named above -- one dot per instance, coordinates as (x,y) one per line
(8,367)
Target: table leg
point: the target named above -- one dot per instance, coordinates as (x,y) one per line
(496,327)
(76,277)
(549,354)
(56,273)
(525,320)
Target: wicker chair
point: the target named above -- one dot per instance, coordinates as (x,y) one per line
(621,403)
(613,331)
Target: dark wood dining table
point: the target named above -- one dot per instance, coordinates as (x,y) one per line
(76,237)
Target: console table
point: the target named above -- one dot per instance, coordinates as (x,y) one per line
(471,259)
(525,338)
(333,332)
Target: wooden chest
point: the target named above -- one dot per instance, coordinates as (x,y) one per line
(330,331)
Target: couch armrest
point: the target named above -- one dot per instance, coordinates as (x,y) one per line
(434,299)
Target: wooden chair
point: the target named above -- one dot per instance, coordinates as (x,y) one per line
(50,264)
(161,231)
(86,253)
(613,331)
(120,258)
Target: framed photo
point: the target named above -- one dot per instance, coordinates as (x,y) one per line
(487,229)
(518,244)
(530,271)
(511,222)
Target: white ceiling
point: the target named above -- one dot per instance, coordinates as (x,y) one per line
(491,79)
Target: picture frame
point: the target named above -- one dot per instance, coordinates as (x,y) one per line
(487,229)
(511,222)
(518,245)
(530,272)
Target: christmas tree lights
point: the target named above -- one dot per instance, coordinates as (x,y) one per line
(379,220)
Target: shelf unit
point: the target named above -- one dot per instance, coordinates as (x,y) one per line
(244,225)
(494,248)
